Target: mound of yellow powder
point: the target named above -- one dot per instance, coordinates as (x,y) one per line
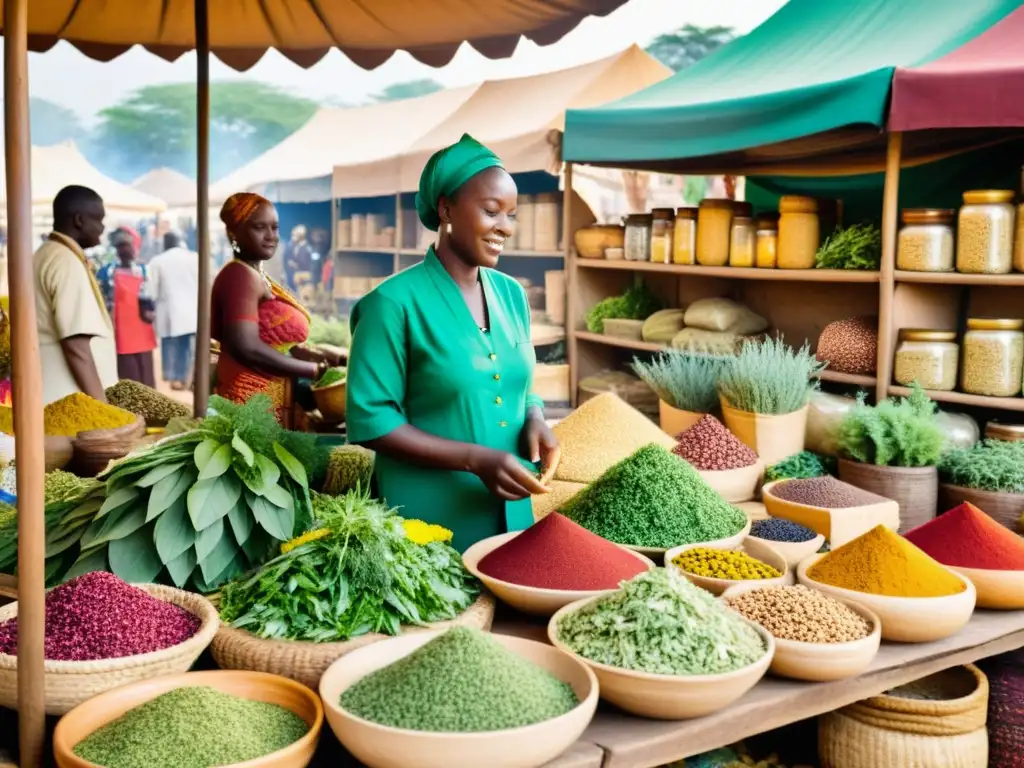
(73,414)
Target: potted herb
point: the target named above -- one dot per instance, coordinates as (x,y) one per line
(686,384)
(627,311)
(990,475)
(892,449)
(764,394)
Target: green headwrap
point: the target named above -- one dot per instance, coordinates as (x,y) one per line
(448,170)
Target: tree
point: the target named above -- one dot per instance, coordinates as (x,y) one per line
(53,123)
(408,90)
(156,126)
(688,45)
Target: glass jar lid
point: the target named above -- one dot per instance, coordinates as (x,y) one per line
(638,219)
(797,204)
(928,215)
(687,212)
(1009,432)
(988,196)
(741,208)
(717,202)
(742,221)
(663,213)
(994,324)
(926,334)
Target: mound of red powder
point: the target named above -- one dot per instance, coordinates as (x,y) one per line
(556,553)
(710,447)
(968,538)
(99,616)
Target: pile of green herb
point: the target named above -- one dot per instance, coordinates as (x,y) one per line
(63,486)
(856,247)
(194,510)
(685,380)
(331,376)
(355,572)
(662,624)
(770,377)
(898,432)
(192,727)
(991,465)
(463,681)
(637,303)
(801,466)
(654,499)
(331,331)
(349,468)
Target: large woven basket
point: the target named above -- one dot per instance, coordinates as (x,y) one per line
(915,489)
(1005,709)
(892,730)
(1004,508)
(69,683)
(306,662)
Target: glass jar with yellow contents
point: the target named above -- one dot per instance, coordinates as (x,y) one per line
(766,241)
(985,229)
(662,223)
(684,236)
(929,357)
(714,225)
(799,232)
(993,356)
(741,242)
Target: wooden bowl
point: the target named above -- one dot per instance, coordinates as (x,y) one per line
(756,548)
(533,600)
(735,485)
(999,590)
(905,619)
(95,449)
(379,746)
(330,400)
(591,241)
(668,697)
(730,542)
(792,551)
(837,525)
(823,662)
(86,718)
(57,452)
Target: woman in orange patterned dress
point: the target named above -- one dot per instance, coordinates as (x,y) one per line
(260,326)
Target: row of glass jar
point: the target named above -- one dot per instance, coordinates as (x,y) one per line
(989,360)
(724,232)
(987,228)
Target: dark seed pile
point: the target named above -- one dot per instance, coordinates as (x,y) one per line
(776,529)
(710,447)
(825,492)
(156,408)
(99,616)
(850,346)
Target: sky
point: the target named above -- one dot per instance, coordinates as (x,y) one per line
(67,77)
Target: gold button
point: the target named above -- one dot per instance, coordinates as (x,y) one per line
(502,423)
(497,376)
(493,356)
(497,400)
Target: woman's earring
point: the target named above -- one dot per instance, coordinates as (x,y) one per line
(235,247)
(448,227)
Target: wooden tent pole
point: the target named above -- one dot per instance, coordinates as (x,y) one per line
(887,283)
(201,380)
(27,394)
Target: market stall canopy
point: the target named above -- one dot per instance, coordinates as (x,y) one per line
(173,187)
(520,118)
(807,88)
(57,166)
(241,31)
(979,85)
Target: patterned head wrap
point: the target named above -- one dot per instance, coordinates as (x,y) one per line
(239,208)
(446,171)
(127,235)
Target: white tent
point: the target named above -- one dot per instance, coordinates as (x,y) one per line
(173,187)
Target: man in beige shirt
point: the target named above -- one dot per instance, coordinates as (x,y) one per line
(76,336)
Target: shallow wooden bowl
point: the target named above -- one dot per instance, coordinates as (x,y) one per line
(823,662)
(730,542)
(756,548)
(57,452)
(999,590)
(378,746)
(330,400)
(735,485)
(793,551)
(86,718)
(532,600)
(905,619)
(668,697)
(837,525)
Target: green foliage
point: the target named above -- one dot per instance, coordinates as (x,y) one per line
(53,123)
(801,466)
(408,90)
(991,465)
(770,377)
(349,468)
(331,376)
(364,575)
(637,303)
(329,331)
(684,380)
(856,247)
(688,44)
(898,432)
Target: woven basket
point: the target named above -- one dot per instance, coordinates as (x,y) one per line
(69,683)
(915,489)
(1005,709)
(1004,508)
(306,662)
(95,449)
(890,730)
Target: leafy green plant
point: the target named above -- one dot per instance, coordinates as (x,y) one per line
(770,377)
(329,331)
(685,380)
(898,432)
(991,465)
(637,303)
(801,466)
(856,247)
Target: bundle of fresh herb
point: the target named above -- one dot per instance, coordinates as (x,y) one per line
(685,380)
(991,465)
(770,377)
(637,303)
(329,331)
(801,466)
(331,376)
(356,572)
(898,432)
(856,247)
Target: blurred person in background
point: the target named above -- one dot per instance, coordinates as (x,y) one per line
(129,297)
(175,280)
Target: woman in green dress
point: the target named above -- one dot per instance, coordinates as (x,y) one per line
(441,363)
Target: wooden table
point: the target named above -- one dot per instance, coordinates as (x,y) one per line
(625,741)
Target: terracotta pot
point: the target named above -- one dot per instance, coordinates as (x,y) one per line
(915,489)
(773,438)
(674,421)
(1004,508)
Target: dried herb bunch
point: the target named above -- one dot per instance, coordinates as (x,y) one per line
(685,380)
(637,303)
(991,465)
(898,432)
(770,377)
(856,247)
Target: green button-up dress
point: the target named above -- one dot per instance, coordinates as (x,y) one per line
(417,357)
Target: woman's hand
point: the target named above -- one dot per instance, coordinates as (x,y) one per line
(537,439)
(503,474)
(332,358)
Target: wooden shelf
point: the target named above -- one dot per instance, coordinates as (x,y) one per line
(959,278)
(737,273)
(960,398)
(848,378)
(615,341)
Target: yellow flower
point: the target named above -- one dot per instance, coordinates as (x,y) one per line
(423,533)
(305,538)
